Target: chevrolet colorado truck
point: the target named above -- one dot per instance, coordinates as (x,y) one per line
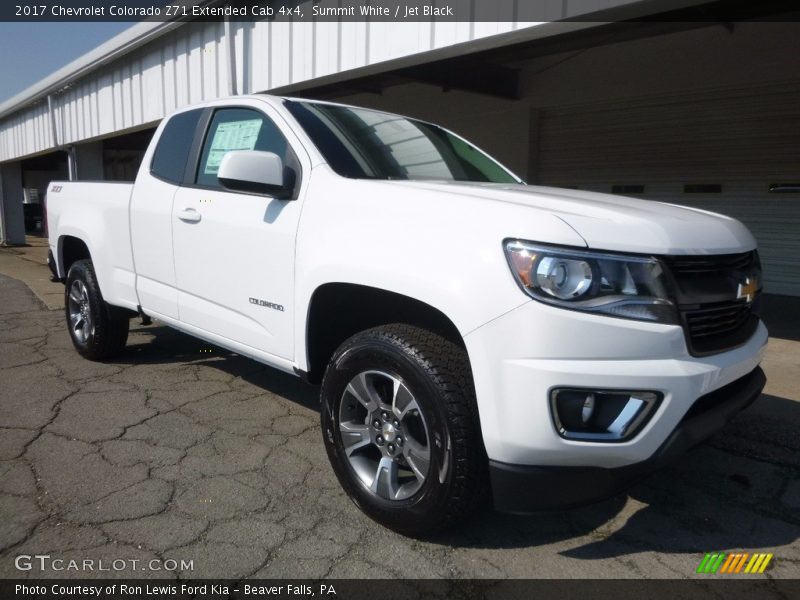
(474,337)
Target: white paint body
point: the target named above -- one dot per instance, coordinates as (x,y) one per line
(440,243)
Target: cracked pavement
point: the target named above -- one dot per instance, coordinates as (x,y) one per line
(175,452)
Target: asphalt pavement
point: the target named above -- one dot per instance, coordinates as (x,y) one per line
(180,451)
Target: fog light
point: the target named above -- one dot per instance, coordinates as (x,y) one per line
(588,408)
(601,415)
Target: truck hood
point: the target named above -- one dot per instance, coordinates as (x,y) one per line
(608,222)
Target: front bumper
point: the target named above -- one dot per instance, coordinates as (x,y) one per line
(518,358)
(526,488)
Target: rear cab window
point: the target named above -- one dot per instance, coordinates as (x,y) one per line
(174,146)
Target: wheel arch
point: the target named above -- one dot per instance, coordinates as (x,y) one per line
(70,249)
(337,311)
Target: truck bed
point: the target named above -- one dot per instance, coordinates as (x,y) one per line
(98,216)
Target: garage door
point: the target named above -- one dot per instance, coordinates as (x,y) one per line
(734,151)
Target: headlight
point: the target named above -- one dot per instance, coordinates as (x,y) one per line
(632,287)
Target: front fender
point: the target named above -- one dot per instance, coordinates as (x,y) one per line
(445,250)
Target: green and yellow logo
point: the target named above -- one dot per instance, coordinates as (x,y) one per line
(720,562)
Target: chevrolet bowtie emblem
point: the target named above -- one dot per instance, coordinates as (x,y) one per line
(747,290)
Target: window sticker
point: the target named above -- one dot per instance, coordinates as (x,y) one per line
(234,135)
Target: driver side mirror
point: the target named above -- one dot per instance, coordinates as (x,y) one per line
(255,171)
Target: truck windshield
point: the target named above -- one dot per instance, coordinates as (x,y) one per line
(366,144)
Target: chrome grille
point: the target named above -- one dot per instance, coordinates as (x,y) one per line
(697,266)
(718,320)
(706,289)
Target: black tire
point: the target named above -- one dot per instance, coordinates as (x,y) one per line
(105,330)
(437,375)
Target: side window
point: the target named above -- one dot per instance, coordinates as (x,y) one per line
(239,129)
(172,151)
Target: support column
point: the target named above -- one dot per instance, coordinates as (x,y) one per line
(12,217)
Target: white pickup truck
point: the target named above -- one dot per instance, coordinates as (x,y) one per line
(474,336)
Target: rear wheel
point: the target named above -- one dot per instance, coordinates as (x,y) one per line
(401,428)
(97,331)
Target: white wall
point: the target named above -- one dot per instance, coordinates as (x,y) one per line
(190,64)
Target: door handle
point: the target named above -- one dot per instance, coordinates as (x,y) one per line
(190,215)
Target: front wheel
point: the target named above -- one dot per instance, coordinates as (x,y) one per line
(401,429)
(96,331)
